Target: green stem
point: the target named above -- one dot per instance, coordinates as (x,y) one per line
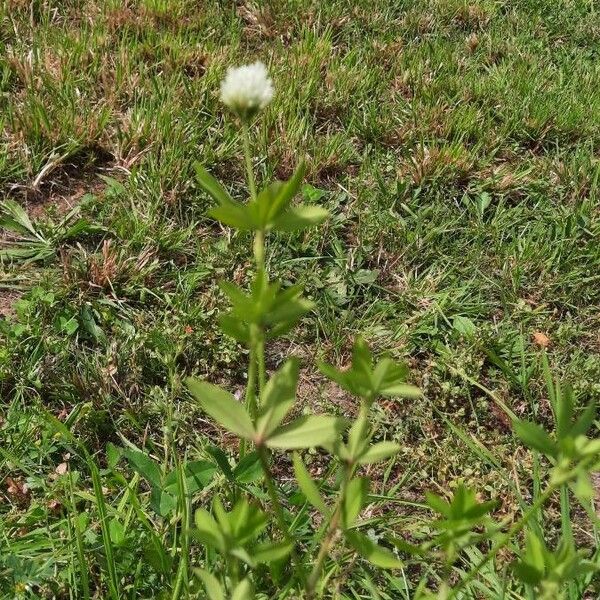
(181,581)
(250,400)
(234,571)
(330,535)
(259,236)
(251,387)
(248,160)
(514,530)
(259,249)
(168,432)
(567,530)
(360,435)
(258,343)
(278,510)
(260,359)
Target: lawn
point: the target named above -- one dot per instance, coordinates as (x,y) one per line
(455,145)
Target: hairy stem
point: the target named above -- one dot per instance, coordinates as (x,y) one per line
(169,433)
(234,572)
(361,435)
(248,160)
(250,399)
(260,359)
(181,581)
(278,511)
(259,249)
(259,236)
(326,544)
(257,343)
(330,535)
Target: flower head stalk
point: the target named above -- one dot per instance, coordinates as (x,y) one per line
(247,89)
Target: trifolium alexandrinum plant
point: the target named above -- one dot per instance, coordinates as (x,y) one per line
(268,310)
(233,528)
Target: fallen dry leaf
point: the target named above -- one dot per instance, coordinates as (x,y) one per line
(541,339)
(61,469)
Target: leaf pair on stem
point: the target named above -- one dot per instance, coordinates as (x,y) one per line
(275,403)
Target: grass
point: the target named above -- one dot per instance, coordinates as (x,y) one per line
(456,146)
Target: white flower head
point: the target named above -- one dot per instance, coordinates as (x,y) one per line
(247,89)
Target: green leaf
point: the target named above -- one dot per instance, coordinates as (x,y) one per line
(222,461)
(308,486)
(211,584)
(222,407)
(535,551)
(386,373)
(585,420)
(358,438)
(354,500)
(117,532)
(270,551)
(375,554)
(289,306)
(535,437)
(17,219)
(286,192)
(249,469)
(221,515)
(198,475)
(207,528)
(335,375)
(89,324)
(403,390)
(564,411)
(162,503)
(247,521)
(243,591)
(378,452)
(243,555)
(113,455)
(464,326)
(587,447)
(265,199)
(300,217)
(306,432)
(233,327)
(480,509)
(278,398)
(526,573)
(30,252)
(583,489)
(406,547)
(362,357)
(81,227)
(387,378)
(297,309)
(158,558)
(144,465)
(210,185)
(437,504)
(313,194)
(113,186)
(236,295)
(233,214)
